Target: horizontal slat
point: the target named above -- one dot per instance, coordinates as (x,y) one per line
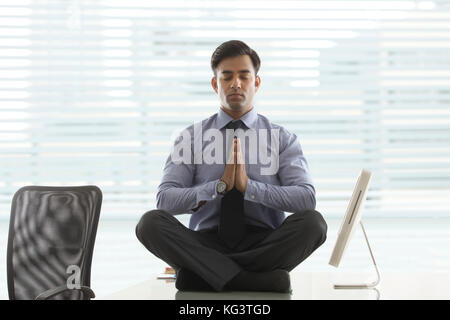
(326,107)
(345,115)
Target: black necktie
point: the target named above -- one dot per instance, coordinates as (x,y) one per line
(232,222)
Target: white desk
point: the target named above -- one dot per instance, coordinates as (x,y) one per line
(309,286)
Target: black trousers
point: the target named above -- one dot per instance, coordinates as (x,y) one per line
(203,253)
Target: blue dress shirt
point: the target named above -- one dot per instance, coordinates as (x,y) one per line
(267,196)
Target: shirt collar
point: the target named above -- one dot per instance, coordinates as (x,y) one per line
(249,119)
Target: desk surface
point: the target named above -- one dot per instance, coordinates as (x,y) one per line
(310,286)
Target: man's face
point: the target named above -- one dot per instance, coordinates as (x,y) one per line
(236,83)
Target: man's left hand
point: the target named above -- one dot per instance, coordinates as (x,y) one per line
(241,177)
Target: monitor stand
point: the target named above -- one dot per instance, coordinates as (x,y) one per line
(363,285)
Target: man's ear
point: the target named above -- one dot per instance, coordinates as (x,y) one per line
(214,84)
(257,83)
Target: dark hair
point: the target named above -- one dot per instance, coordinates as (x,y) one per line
(234,48)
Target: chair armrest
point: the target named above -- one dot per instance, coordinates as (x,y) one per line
(53,292)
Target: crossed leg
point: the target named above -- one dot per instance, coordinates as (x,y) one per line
(283,248)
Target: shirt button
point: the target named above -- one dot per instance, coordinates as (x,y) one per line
(213,196)
(252,196)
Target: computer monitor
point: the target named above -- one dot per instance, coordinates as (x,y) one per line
(350,222)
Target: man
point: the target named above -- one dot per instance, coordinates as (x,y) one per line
(238,237)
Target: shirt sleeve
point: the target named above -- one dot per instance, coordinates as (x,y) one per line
(296,191)
(177,193)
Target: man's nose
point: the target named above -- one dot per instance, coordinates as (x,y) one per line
(236,83)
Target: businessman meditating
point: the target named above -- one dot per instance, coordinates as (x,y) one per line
(237,174)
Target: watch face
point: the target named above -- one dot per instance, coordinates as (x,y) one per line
(221,187)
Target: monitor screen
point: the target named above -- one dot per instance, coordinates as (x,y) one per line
(351,218)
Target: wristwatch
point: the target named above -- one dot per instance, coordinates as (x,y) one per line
(221,187)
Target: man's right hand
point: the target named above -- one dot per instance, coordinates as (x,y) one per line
(230,167)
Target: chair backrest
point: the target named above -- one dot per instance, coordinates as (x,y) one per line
(51,237)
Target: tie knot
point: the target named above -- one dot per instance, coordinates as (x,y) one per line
(234,124)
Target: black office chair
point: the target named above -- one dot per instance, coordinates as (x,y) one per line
(51,240)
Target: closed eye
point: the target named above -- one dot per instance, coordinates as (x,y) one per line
(243,78)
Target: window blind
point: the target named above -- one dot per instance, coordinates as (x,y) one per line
(93,92)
